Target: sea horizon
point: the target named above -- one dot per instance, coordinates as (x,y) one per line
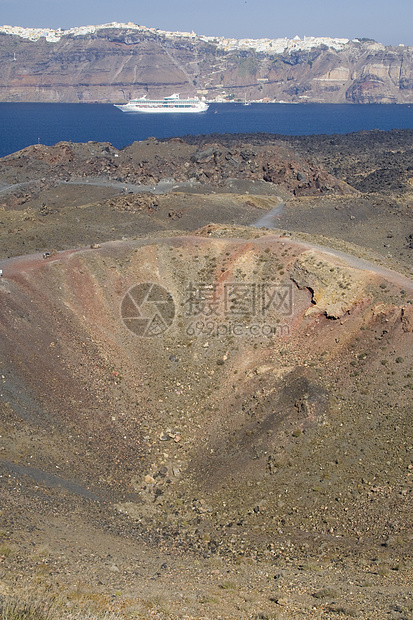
(25,124)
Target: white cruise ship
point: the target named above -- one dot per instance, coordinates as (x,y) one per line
(165,105)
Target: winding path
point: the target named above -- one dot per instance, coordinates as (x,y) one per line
(19,264)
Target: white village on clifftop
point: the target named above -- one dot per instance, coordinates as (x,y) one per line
(269,46)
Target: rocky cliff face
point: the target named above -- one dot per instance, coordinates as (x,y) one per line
(116,64)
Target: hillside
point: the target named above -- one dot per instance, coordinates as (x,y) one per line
(196,460)
(114,63)
(206,361)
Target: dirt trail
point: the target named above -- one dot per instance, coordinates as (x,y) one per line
(15,265)
(268,220)
(19,264)
(360,263)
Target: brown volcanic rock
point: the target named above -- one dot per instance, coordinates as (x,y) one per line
(275,164)
(149,162)
(335,290)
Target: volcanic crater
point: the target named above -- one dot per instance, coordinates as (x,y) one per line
(204,422)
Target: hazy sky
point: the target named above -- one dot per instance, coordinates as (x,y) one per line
(387,21)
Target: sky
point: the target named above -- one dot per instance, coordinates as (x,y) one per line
(387,21)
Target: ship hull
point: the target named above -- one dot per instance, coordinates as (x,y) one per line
(172,110)
(167,105)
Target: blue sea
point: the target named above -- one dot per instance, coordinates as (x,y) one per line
(22,124)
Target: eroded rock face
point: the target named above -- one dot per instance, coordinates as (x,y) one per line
(370,88)
(115,65)
(335,288)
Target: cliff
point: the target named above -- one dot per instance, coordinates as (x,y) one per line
(116,62)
